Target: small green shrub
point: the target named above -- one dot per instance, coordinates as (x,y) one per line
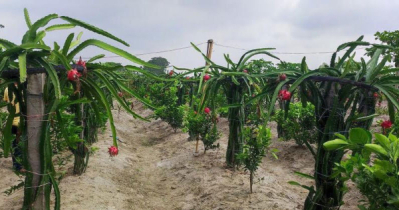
(173,115)
(65,134)
(256,142)
(165,98)
(203,127)
(299,124)
(373,167)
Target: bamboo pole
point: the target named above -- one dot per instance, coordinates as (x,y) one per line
(35,111)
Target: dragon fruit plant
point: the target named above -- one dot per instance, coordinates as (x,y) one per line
(343,98)
(233,82)
(82,81)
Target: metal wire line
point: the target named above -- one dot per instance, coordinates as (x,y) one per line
(300,53)
(149,53)
(220,45)
(39,185)
(284,53)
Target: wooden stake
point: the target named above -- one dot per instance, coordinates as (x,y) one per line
(35,111)
(209,49)
(196,145)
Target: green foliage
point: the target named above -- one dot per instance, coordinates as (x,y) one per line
(66,133)
(220,103)
(235,80)
(390,38)
(3,120)
(343,98)
(261,66)
(210,138)
(93,120)
(14,188)
(256,142)
(203,126)
(165,98)
(381,110)
(299,123)
(162,93)
(374,167)
(96,89)
(395,125)
(171,114)
(163,63)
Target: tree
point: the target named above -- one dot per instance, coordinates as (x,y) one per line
(1,26)
(159,61)
(391,39)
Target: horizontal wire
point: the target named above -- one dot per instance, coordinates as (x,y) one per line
(149,53)
(221,45)
(39,185)
(26,171)
(286,53)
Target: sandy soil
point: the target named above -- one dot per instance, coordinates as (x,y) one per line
(156,169)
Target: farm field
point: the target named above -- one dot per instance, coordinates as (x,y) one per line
(156,169)
(280,105)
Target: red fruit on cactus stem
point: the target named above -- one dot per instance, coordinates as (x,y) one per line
(81,62)
(195,112)
(187,77)
(284,95)
(73,75)
(120,94)
(113,151)
(171,73)
(245,71)
(207,110)
(375,95)
(282,77)
(386,124)
(206,77)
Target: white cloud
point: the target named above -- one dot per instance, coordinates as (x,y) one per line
(288,25)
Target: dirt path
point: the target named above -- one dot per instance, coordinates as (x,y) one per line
(156,169)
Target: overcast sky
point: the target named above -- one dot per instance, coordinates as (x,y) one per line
(155,25)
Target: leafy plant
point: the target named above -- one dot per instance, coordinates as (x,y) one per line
(234,80)
(64,78)
(202,127)
(14,188)
(342,100)
(299,123)
(256,142)
(171,114)
(390,38)
(374,167)
(60,142)
(165,97)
